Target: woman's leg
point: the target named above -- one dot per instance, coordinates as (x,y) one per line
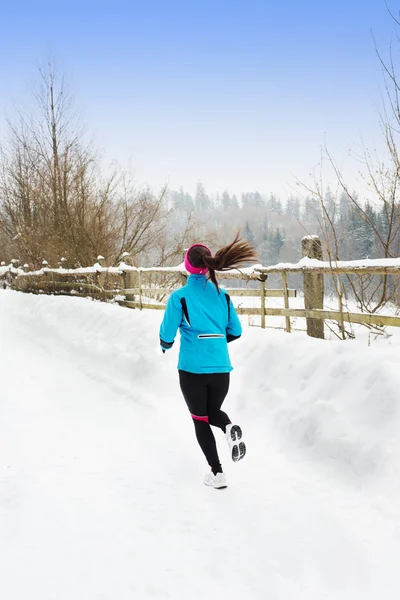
(217,388)
(195,392)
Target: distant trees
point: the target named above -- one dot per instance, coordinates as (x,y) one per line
(276,228)
(265,222)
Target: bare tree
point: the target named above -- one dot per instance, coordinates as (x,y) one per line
(54,200)
(381,176)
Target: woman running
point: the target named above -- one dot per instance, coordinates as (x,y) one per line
(207,321)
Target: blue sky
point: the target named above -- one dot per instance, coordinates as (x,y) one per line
(239,94)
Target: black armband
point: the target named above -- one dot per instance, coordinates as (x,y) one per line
(166,345)
(231,338)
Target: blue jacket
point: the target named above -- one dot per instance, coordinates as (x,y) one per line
(207,321)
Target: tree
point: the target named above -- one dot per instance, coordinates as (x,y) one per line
(201,200)
(344,205)
(330,204)
(51,201)
(228,202)
(311,211)
(248,233)
(274,204)
(252,199)
(293,207)
(54,200)
(181,201)
(265,231)
(276,243)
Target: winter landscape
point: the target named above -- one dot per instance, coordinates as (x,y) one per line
(130,131)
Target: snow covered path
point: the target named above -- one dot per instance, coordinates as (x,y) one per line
(101,493)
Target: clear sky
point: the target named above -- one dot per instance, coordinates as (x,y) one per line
(239,94)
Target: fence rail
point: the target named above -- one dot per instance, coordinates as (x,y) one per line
(132,287)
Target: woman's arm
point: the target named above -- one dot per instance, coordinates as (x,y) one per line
(234,327)
(170,323)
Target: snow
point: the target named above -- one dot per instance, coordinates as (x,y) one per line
(101,492)
(305,264)
(309,264)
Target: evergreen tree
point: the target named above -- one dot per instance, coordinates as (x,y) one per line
(359,238)
(182,201)
(248,233)
(276,243)
(253,199)
(235,201)
(344,205)
(330,205)
(311,212)
(265,228)
(367,234)
(383,218)
(202,200)
(293,207)
(226,201)
(274,205)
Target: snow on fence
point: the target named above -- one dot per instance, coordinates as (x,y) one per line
(125,284)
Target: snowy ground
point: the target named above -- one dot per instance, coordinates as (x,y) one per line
(101,494)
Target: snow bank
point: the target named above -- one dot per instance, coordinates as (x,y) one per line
(123,341)
(100,473)
(336,402)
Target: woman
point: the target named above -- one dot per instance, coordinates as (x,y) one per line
(207,322)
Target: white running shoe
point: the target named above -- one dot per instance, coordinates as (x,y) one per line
(217,481)
(237,447)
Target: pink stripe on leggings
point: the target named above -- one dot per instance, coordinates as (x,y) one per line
(197,418)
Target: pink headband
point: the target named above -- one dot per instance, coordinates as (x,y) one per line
(188,265)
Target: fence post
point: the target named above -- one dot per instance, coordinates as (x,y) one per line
(263,279)
(313,285)
(8,278)
(286,298)
(48,277)
(130,277)
(139,281)
(262,304)
(101,277)
(14,276)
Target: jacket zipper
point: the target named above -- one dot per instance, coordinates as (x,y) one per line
(210,335)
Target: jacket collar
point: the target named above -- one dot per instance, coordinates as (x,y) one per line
(196,279)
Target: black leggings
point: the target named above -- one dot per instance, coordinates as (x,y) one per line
(204,395)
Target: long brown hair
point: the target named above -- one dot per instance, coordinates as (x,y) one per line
(232,256)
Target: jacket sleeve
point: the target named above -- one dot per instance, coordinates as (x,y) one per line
(170,323)
(234,327)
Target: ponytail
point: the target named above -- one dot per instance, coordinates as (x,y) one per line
(232,256)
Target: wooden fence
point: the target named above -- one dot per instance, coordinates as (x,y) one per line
(148,288)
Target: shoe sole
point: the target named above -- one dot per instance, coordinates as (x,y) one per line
(238,450)
(220,487)
(216,487)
